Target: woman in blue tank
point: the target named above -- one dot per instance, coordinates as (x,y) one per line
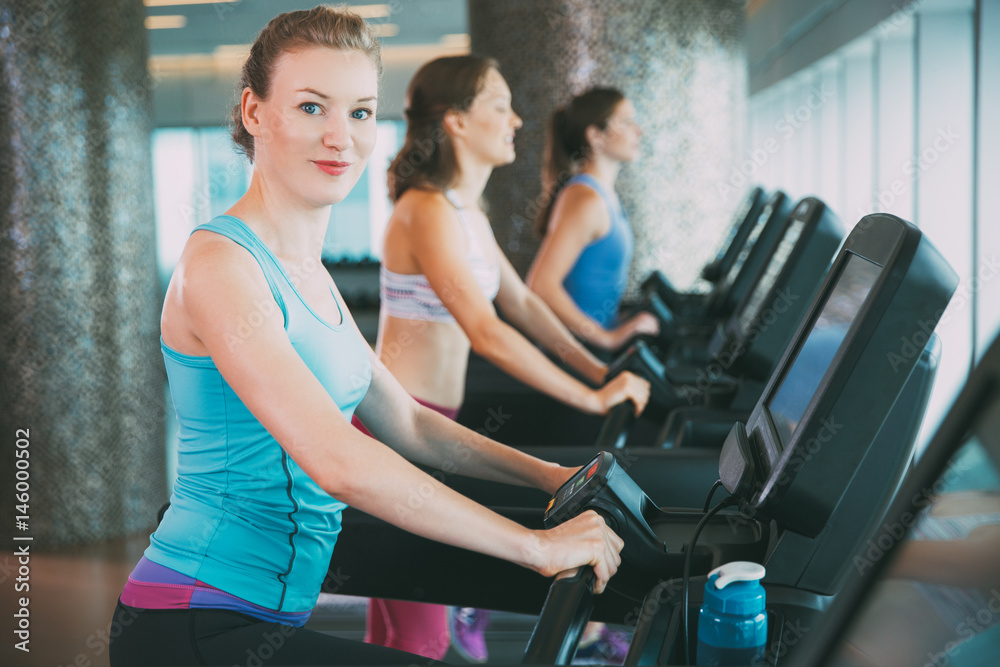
(266,369)
(581,269)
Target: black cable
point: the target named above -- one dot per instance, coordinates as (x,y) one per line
(708,501)
(729,500)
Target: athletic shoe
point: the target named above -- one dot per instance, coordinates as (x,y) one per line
(609,648)
(468,632)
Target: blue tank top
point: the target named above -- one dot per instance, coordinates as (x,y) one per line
(243,516)
(597,281)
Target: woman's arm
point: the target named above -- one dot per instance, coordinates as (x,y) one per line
(529,313)
(425,436)
(436,241)
(971,561)
(578,218)
(220,284)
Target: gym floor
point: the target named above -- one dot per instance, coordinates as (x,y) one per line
(73,592)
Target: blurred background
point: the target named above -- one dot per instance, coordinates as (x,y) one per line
(115,145)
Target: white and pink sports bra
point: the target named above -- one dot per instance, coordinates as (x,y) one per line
(410,296)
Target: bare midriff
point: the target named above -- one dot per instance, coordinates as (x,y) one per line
(428,358)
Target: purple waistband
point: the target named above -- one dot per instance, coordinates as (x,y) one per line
(153,586)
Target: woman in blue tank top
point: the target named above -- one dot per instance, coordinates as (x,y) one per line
(266,369)
(581,269)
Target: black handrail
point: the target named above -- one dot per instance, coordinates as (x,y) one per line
(616,427)
(564,615)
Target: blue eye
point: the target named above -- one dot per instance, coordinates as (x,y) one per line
(362,114)
(310,108)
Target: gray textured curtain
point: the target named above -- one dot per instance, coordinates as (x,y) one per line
(682,64)
(80,367)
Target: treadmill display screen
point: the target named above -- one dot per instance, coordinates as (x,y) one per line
(792,397)
(758,228)
(741,213)
(777,262)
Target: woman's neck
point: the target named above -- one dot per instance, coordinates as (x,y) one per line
(604,170)
(292,229)
(472,179)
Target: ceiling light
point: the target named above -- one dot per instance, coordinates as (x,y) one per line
(231,51)
(371,11)
(165,22)
(455,39)
(177,3)
(384,29)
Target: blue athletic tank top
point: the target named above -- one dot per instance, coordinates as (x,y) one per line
(243,516)
(597,281)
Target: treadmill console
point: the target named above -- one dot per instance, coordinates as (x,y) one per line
(825,401)
(603,486)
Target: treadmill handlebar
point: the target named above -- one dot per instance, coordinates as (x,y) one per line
(616,427)
(563,617)
(641,360)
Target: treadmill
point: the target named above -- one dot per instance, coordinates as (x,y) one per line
(803,469)
(536,419)
(790,467)
(890,590)
(744,218)
(728,366)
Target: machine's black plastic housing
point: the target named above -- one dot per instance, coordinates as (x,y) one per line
(743,218)
(801,478)
(603,486)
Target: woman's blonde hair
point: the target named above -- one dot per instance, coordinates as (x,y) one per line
(331,27)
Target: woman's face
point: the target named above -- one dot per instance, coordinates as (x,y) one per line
(620,138)
(315,131)
(490,122)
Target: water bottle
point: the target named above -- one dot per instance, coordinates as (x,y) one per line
(732,625)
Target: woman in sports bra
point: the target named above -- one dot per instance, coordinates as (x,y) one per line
(266,369)
(581,269)
(442,272)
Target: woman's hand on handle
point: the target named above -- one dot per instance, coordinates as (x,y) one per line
(639,324)
(625,386)
(583,540)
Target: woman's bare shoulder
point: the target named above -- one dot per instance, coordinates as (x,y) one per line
(423,207)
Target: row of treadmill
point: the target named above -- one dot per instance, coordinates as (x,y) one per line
(793,389)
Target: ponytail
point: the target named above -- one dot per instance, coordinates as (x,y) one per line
(557,167)
(566,146)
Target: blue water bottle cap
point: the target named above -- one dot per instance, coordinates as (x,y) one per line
(734,588)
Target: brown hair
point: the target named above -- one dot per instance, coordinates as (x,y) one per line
(427,157)
(331,27)
(566,144)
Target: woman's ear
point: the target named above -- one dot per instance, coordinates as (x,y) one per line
(250,108)
(454,122)
(595,138)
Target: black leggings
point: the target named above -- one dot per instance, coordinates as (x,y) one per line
(181,637)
